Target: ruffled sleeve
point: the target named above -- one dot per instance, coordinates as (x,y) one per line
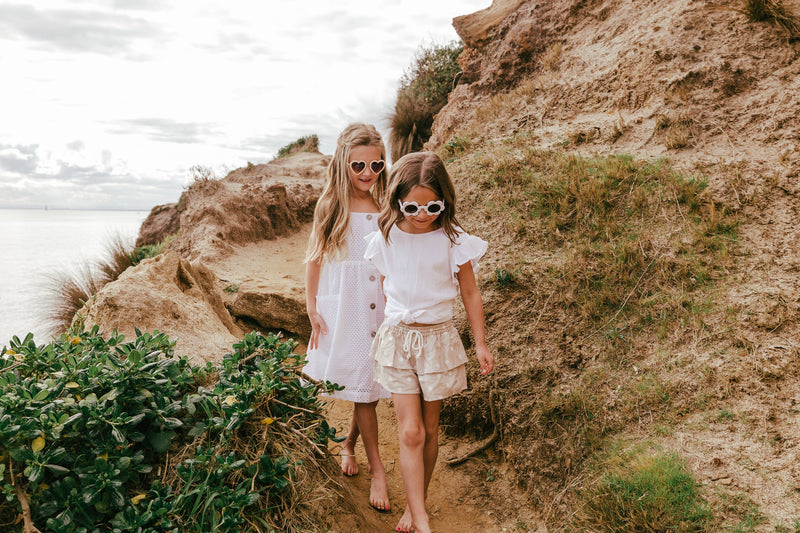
(467,248)
(374,251)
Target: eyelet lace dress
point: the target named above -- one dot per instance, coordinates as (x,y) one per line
(350,300)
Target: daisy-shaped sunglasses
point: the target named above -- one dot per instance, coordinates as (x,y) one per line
(358,167)
(434,207)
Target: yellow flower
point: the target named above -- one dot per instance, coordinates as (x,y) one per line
(38,444)
(139,497)
(267,421)
(10,352)
(75,340)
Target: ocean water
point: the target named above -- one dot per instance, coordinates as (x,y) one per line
(37,243)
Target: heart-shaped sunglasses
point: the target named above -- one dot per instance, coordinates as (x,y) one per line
(358,167)
(434,207)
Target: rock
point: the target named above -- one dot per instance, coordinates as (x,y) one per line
(172,295)
(477,28)
(272,308)
(163,221)
(250,204)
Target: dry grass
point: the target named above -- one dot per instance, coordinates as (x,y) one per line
(611,258)
(552,56)
(411,124)
(678,129)
(774,11)
(67,291)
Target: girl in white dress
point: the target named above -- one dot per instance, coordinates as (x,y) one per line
(344,296)
(425,259)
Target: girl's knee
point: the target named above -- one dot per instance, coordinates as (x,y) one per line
(431,434)
(413,435)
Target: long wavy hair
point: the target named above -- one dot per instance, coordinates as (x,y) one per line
(423,169)
(332,212)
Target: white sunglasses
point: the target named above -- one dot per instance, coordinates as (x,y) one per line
(434,207)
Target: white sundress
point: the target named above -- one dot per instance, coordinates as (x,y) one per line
(350,300)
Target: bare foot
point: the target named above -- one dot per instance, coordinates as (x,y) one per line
(349,464)
(378,494)
(405,524)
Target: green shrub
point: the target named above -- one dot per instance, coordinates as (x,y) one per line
(111,435)
(423,92)
(505,278)
(433,73)
(309,143)
(150,250)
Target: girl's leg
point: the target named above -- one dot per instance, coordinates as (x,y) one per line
(430,418)
(417,456)
(348,453)
(367,420)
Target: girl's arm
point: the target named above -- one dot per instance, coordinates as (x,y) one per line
(473,305)
(318,327)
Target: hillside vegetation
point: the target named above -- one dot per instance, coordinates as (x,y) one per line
(635,170)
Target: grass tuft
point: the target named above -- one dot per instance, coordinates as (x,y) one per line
(772,11)
(650,493)
(150,250)
(67,291)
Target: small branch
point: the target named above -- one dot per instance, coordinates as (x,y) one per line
(294,407)
(304,437)
(488,442)
(308,378)
(28,526)
(166,469)
(12,367)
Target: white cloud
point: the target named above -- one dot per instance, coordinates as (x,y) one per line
(112,103)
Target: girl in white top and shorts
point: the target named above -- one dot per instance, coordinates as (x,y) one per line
(425,259)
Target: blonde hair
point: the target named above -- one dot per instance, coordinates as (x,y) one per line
(423,169)
(332,212)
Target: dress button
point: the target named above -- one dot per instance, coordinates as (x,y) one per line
(372,278)
(369,217)
(372,306)
(372,334)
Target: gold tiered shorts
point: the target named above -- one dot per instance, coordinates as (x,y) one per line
(420,359)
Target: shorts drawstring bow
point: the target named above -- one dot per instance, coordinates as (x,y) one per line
(413,341)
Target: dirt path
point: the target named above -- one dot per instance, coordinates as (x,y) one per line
(459,498)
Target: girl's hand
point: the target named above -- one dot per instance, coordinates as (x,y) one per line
(485,358)
(318,327)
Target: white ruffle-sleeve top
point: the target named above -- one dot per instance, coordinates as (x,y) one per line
(420,271)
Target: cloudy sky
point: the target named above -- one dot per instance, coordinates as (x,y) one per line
(107,104)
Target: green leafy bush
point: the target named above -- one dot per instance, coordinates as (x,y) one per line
(309,143)
(107,435)
(423,92)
